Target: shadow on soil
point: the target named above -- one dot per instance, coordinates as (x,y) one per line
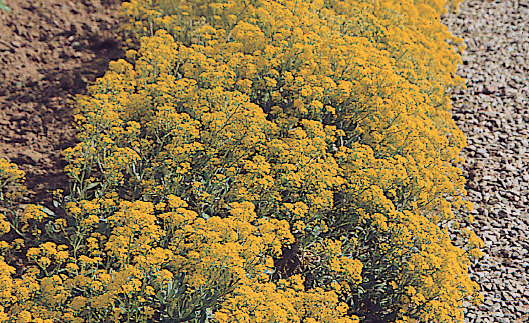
(53,100)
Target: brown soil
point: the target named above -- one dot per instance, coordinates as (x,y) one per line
(50,50)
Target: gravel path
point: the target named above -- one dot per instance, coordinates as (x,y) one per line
(494,115)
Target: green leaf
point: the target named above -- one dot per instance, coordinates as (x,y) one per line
(45,209)
(91,185)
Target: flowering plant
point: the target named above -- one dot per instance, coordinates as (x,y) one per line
(283,161)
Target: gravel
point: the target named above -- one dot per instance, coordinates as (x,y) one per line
(493,112)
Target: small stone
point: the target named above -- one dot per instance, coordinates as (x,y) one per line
(496,310)
(489,302)
(489,89)
(522,308)
(483,152)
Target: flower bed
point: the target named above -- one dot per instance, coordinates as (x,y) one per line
(257,161)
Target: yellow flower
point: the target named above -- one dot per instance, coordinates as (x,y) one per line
(297,282)
(71,267)
(149,311)
(24,317)
(149,290)
(336,286)
(33,212)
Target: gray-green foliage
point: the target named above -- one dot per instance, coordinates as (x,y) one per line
(4,7)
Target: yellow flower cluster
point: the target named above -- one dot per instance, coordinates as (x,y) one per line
(12,189)
(171,258)
(259,161)
(263,302)
(11,182)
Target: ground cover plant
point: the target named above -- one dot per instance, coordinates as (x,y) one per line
(255,161)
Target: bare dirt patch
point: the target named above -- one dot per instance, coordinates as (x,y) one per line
(50,51)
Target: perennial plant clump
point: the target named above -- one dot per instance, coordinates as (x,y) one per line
(256,161)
